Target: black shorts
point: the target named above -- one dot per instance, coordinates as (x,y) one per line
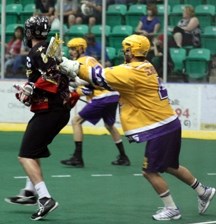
(40,132)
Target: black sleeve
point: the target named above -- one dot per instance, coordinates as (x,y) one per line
(39,64)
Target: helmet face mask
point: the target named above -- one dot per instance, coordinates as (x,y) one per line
(36,27)
(138,45)
(127,54)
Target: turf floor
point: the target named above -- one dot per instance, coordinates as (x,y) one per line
(101,193)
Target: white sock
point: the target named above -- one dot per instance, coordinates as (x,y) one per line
(198,187)
(42,190)
(168,200)
(29,185)
(120,140)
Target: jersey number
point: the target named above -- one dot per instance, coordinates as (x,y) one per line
(162,91)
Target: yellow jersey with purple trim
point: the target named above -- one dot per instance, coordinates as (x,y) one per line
(145,111)
(97,93)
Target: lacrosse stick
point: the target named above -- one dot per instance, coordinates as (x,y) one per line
(54,48)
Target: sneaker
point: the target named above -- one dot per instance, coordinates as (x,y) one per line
(73,161)
(24,198)
(205,199)
(166,214)
(46,205)
(121,161)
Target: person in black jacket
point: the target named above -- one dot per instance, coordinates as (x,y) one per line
(47,93)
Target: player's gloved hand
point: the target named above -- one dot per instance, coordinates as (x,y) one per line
(74,97)
(73,84)
(77,82)
(80,81)
(24,93)
(87,91)
(69,67)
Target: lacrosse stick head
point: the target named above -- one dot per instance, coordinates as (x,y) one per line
(54,48)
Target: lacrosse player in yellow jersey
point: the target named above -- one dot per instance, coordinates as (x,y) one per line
(102,104)
(146,115)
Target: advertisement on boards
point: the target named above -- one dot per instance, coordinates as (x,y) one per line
(195,104)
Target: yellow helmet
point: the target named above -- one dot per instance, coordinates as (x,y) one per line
(77,42)
(139,45)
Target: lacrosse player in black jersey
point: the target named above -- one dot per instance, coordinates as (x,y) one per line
(47,93)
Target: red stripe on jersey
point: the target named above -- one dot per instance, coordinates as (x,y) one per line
(46,85)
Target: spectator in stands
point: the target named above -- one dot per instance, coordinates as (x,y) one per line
(149,25)
(71,10)
(95,16)
(18,68)
(13,48)
(94,49)
(157,56)
(187,32)
(45,8)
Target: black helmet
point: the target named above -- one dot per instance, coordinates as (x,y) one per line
(37,27)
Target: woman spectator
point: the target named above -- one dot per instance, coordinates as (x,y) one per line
(157,56)
(18,68)
(149,25)
(187,32)
(13,48)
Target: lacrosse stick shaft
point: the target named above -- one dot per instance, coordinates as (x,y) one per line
(83,100)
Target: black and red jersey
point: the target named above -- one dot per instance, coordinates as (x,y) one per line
(51,87)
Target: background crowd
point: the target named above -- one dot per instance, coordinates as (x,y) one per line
(183,35)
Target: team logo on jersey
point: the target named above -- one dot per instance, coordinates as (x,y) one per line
(44,58)
(28,62)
